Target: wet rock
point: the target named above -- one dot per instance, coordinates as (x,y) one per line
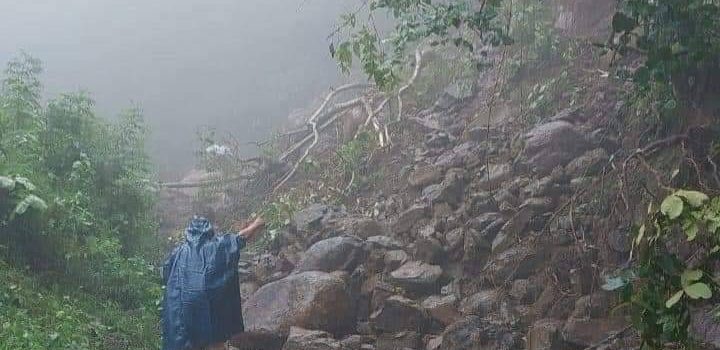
(590,163)
(450,190)
(483,221)
(314,216)
(358,226)
(595,305)
(247,289)
(429,250)
(434,343)
(398,314)
(394,259)
(455,240)
(518,261)
(269,268)
(333,254)
(417,277)
(525,291)
(475,333)
(480,303)
(408,218)
(303,339)
(506,198)
(354,342)
(312,300)
(383,242)
(437,140)
(399,341)
(553,144)
(424,175)
(545,334)
(704,326)
(465,155)
(442,308)
(257,340)
(514,228)
(481,203)
(478,245)
(585,332)
(381,291)
(492,177)
(547,186)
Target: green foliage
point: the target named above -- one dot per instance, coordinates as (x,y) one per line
(463,24)
(533,31)
(353,154)
(33,317)
(664,283)
(679,40)
(442,71)
(76,204)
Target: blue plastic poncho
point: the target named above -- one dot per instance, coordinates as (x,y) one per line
(202,294)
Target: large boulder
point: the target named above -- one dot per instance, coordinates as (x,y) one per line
(704,326)
(314,216)
(553,144)
(398,314)
(518,261)
(546,334)
(333,254)
(408,218)
(423,175)
(476,333)
(358,226)
(442,308)
(417,277)
(494,175)
(481,303)
(590,163)
(450,190)
(312,300)
(399,341)
(303,339)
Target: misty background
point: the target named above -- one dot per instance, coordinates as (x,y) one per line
(239,66)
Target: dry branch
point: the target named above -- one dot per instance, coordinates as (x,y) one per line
(372,113)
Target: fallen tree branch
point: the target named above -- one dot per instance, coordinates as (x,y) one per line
(318,112)
(196,184)
(333,113)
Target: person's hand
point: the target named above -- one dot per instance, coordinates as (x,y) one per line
(251,229)
(259,222)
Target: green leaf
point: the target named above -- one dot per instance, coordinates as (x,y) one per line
(674,299)
(7,183)
(694,198)
(672,207)
(690,276)
(691,230)
(698,291)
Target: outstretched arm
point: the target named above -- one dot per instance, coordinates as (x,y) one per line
(252,229)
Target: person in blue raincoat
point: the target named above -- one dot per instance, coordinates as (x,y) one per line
(201,308)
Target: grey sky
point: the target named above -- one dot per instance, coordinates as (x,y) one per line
(239,65)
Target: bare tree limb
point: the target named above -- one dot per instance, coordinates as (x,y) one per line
(196,184)
(333,113)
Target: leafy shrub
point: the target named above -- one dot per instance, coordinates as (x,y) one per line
(76,204)
(666,283)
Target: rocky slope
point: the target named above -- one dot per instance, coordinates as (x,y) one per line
(489,235)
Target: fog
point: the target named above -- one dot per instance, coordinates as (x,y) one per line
(236,65)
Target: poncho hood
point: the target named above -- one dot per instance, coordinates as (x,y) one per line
(199,231)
